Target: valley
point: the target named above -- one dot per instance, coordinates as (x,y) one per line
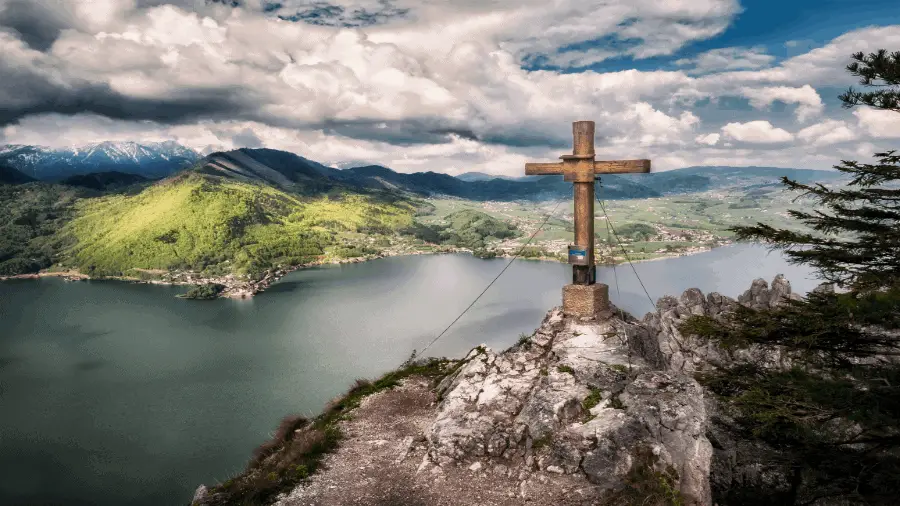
(649,228)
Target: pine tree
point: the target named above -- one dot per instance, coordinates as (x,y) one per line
(833,416)
(878,69)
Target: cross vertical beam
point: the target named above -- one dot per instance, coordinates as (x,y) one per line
(585,297)
(583,136)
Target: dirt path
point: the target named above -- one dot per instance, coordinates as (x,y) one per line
(381,463)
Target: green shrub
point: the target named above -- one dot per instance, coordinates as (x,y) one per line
(208,291)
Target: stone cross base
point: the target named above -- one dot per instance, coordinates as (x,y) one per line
(587,301)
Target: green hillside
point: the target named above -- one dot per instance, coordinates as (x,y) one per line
(32,215)
(219,226)
(468,229)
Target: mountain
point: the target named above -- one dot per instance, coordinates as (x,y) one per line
(9,175)
(150,160)
(704,178)
(104,181)
(277,168)
(437,184)
(292,172)
(220,224)
(249,211)
(481,176)
(295,173)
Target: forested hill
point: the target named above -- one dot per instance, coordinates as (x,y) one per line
(195,221)
(9,175)
(216,222)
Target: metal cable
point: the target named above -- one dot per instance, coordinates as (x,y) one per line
(513,259)
(611,227)
(655,308)
(619,297)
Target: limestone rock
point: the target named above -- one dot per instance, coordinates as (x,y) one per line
(760,296)
(657,340)
(600,397)
(529,405)
(200,494)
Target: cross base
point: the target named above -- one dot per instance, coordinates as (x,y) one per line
(587,301)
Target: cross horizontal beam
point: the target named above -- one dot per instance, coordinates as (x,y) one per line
(600,167)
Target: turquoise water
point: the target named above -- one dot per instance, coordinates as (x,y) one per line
(120,394)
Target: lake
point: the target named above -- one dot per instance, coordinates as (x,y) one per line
(114,393)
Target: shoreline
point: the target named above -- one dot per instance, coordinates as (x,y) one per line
(236,289)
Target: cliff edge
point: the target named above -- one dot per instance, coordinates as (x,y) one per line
(581,412)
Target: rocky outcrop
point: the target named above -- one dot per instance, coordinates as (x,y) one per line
(597,398)
(571,400)
(656,338)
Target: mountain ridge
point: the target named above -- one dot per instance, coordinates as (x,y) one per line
(293,172)
(152,160)
(484,187)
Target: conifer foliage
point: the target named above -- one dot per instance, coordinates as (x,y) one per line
(825,400)
(878,69)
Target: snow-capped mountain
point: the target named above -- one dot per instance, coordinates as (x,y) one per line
(151,160)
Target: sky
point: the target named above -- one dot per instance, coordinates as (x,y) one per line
(450,85)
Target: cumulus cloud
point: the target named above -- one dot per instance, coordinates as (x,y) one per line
(412,84)
(827,132)
(879,124)
(808,100)
(756,132)
(822,66)
(708,139)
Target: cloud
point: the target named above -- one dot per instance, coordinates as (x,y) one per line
(708,139)
(389,90)
(728,58)
(879,124)
(651,127)
(827,132)
(328,14)
(756,132)
(808,100)
(570,33)
(822,66)
(36,25)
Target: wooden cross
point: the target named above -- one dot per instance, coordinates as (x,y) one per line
(580,168)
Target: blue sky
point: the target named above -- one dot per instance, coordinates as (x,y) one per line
(784,28)
(450,85)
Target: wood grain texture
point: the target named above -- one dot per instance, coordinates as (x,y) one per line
(543,169)
(584,224)
(621,166)
(583,135)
